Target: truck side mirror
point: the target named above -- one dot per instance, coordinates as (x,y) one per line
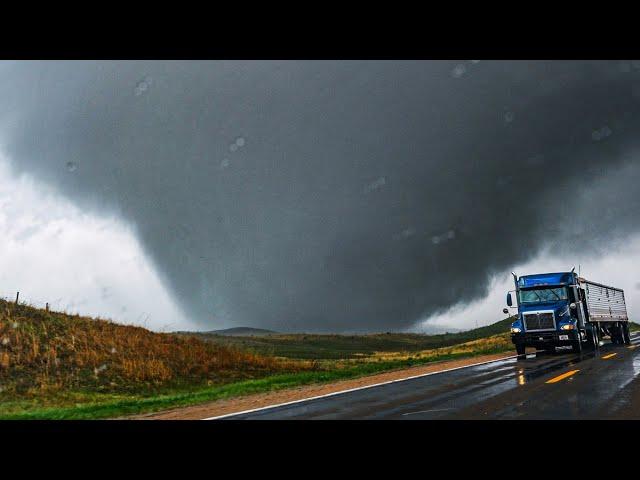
(509,301)
(505,310)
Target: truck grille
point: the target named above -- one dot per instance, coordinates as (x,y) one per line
(539,321)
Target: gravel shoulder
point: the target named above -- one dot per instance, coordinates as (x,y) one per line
(249,402)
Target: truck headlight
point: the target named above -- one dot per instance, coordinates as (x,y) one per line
(568,326)
(515,330)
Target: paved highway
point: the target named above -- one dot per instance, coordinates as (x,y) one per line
(594,385)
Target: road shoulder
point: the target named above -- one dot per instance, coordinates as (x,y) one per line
(261,400)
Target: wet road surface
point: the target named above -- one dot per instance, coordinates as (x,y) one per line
(594,385)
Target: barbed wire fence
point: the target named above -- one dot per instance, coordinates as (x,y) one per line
(58,305)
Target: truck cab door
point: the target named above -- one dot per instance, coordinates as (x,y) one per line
(580,310)
(581,316)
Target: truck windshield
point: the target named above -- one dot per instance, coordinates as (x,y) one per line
(543,295)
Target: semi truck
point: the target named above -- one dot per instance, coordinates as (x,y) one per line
(563,309)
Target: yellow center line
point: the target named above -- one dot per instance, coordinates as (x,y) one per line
(609,356)
(562,377)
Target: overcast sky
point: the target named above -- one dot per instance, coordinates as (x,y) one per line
(617,268)
(317,196)
(53,252)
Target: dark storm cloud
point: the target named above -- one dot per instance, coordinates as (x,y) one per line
(334,195)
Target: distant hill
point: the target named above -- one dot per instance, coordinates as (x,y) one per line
(346,346)
(501,326)
(241,332)
(437,329)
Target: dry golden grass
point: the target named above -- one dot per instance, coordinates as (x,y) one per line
(490,344)
(54,365)
(42,351)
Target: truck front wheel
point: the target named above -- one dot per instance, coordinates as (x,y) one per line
(520,348)
(577,343)
(592,336)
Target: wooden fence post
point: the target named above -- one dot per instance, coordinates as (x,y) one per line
(17,297)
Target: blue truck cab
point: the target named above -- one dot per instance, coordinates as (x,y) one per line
(562,309)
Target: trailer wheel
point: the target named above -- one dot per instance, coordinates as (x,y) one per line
(520,348)
(615,334)
(620,334)
(626,335)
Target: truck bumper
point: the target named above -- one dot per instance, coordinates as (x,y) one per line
(545,339)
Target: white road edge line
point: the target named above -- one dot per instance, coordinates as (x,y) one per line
(427,411)
(277,405)
(357,388)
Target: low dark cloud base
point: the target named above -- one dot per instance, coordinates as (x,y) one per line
(334,196)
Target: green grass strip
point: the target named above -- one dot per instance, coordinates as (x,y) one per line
(133,406)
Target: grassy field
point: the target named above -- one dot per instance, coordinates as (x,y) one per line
(339,347)
(54,360)
(54,365)
(89,404)
(59,366)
